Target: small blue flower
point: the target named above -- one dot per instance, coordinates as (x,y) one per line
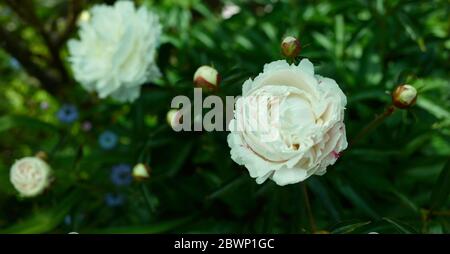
(67,113)
(108,140)
(121,175)
(14,63)
(68,220)
(114,200)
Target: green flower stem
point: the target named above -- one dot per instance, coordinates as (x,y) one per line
(147,197)
(372,125)
(312,222)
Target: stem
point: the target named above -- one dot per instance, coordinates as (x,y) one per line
(372,125)
(441,213)
(62,140)
(308,209)
(147,197)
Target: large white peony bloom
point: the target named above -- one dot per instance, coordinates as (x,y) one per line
(116,51)
(30,176)
(288,124)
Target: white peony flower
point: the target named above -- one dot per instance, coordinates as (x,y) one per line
(116,51)
(229,10)
(289,123)
(30,176)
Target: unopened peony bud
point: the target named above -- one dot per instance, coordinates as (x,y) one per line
(84,16)
(141,172)
(42,155)
(207,77)
(404,96)
(290,47)
(30,176)
(174,118)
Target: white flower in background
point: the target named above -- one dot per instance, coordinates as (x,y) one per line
(304,114)
(116,51)
(30,176)
(229,10)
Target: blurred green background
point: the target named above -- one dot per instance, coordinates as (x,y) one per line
(393,181)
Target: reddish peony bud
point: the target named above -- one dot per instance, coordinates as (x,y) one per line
(404,96)
(207,77)
(290,47)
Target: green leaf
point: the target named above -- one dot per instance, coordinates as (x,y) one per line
(345,229)
(353,196)
(411,30)
(324,196)
(14,121)
(432,107)
(179,157)
(227,187)
(323,40)
(157,228)
(340,34)
(441,189)
(405,200)
(402,227)
(46,220)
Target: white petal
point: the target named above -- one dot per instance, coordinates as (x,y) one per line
(306,66)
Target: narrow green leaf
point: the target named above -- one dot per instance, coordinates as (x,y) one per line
(324,196)
(14,121)
(402,227)
(340,33)
(179,157)
(353,196)
(157,228)
(227,187)
(44,221)
(345,229)
(432,107)
(323,41)
(441,189)
(405,200)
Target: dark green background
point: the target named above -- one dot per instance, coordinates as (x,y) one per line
(393,181)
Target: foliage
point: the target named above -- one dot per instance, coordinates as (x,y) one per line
(393,181)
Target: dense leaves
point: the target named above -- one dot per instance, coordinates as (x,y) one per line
(394,180)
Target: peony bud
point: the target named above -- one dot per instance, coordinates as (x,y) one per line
(141,172)
(42,155)
(207,77)
(404,96)
(290,47)
(30,176)
(84,16)
(174,118)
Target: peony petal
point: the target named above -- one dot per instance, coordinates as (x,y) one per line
(306,66)
(286,176)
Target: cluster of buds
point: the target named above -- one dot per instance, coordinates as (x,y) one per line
(404,96)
